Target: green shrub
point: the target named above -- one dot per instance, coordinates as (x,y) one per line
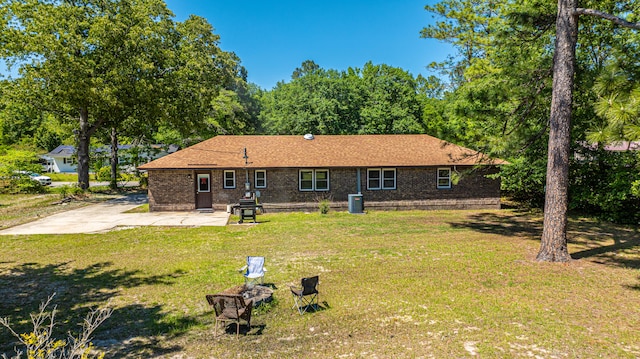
(635,188)
(603,185)
(324,206)
(523,180)
(127,177)
(69,190)
(63,190)
(13,167)
(266,307)
(144,181)
(100,189)
(103,174)
(25,185)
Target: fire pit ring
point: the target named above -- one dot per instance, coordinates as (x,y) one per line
(258,293)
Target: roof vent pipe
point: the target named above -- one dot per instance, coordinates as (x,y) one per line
(308,136)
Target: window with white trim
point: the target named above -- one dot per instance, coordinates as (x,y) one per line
(381,178)
(306,180)
(373,178)
(261,179)
(444,178)
(229,179)
(314,180)
(322,180)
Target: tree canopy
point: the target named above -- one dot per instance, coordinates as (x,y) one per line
(508,74)
(113,64)
(376,99)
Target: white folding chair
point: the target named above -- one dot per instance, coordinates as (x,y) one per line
(255,270)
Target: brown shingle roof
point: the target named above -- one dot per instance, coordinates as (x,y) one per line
(322,151)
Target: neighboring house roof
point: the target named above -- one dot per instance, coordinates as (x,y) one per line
(623,146)
(170,149)
(156,147)
(107,149)
(321,151)
(68,150)
(62,151)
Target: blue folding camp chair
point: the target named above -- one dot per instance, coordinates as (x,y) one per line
(255,270)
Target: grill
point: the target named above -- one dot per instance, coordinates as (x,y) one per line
(247,209)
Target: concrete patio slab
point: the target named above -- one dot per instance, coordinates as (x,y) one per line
(110,215)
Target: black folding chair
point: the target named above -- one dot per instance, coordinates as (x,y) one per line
(305,296)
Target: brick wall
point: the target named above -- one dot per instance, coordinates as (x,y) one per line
(171,190)
(415,188)
(421,184)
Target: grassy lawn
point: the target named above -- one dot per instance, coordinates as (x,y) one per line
(63,177)
(414,284)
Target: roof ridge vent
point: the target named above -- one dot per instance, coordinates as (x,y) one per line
(308,136)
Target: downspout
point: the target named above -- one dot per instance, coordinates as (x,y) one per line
(358,189)
(247,184)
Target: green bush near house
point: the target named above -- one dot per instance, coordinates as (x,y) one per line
(324,206)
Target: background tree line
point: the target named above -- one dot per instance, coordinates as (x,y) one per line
(161,81)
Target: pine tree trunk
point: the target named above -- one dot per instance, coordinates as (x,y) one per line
(114,159)
(84,136)
(553,246)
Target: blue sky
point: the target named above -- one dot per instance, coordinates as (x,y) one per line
(272,38)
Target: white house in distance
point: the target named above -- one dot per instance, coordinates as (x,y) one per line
(63,158)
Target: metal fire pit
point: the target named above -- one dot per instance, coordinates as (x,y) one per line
(258,293)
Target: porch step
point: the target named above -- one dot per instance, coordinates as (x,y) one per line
(205,210)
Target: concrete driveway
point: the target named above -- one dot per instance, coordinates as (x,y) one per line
(110,215)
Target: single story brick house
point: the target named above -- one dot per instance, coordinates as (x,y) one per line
(288,173)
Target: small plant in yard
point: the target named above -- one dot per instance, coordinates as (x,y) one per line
(69,190)
(265,307)
(64,191)
(103,174)
(40,344)
(324,206)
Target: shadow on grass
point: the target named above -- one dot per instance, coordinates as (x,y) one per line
(635,287)
(313,308)
(270,285)
(253,330)
(508,223)
(605,243)
(599,241)
(23,287)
